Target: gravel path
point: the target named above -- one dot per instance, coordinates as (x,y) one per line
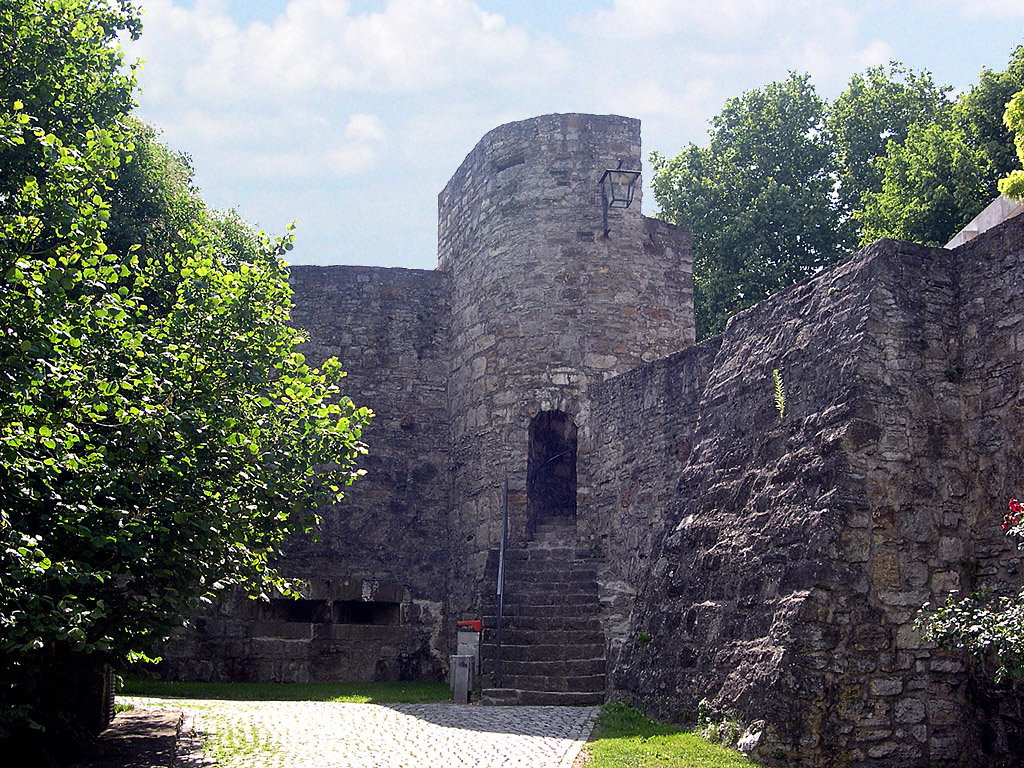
(300,734)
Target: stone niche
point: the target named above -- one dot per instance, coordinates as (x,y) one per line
(353,630)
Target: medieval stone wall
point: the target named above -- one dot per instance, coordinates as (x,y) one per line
(543,305)
(640,437)
(768,563)
(798,548)
(375,602)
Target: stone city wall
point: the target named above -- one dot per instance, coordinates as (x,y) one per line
(639,439)
(374,607)
(799,547)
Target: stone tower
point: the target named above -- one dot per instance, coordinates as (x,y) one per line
(543,304)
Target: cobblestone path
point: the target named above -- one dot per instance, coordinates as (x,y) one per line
(286,734)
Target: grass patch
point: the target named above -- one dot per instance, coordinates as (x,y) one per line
(624,738)
(231,741)
(357,693)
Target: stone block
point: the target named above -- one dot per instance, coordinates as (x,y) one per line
(885,571)
(886,686)
(882,750)
(910,711)
(943,712)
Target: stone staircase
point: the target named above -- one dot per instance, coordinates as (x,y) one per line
(553,648)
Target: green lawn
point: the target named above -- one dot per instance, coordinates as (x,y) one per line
(624,738)
(359,693)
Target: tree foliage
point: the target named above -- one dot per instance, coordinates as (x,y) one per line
(880,105)
(945,172)
(160,436)
(932,185)
(788,184)
(981,111)
(758,199)
(1013,185)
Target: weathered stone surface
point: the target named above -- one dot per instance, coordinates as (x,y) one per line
(796,550)
(379,560)
(543,306)
(771,564)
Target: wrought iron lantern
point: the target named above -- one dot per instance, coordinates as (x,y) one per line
(617,187)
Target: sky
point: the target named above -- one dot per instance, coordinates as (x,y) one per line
(350,116)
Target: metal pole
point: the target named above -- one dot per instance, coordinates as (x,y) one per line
(501,587)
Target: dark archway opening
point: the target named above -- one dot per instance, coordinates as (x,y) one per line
(551,469)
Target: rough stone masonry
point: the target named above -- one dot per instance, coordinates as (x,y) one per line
(769,565)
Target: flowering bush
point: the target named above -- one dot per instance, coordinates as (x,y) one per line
(983,622)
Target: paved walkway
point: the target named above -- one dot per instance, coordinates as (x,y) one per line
(285,734)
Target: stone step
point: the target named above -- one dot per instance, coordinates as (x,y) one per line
(540,570)
(573,592)
(511,696)
(548,597)
(499,697)
(519,621)
(515,638)
(536,569)
(544,651)
(513,634)
(564,683)
(553,645)
(548,668)
(565,613)
(555,581)
(539,555)
(553,541)
(550,583)
(546,631)
(559,580)
(555,668)
(560,535)
(561,698)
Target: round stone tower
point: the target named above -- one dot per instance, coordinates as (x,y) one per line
(544,303)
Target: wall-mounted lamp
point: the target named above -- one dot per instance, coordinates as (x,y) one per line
(617,190)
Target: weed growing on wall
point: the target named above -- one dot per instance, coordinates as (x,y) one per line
(780,393)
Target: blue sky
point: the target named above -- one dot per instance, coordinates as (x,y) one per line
(351,116)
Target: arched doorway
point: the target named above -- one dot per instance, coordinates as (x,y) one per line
(551,469)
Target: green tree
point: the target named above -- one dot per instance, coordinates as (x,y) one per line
(59,59)
(154,198)
(981,116)
(160,437)
(932,185)
(1013,185)
(944,173)
(758,199)
(878,106)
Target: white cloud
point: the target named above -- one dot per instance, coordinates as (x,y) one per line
(350,160)
(994,9)
(721,21)
(364,128)
(324,46)
(677,61)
